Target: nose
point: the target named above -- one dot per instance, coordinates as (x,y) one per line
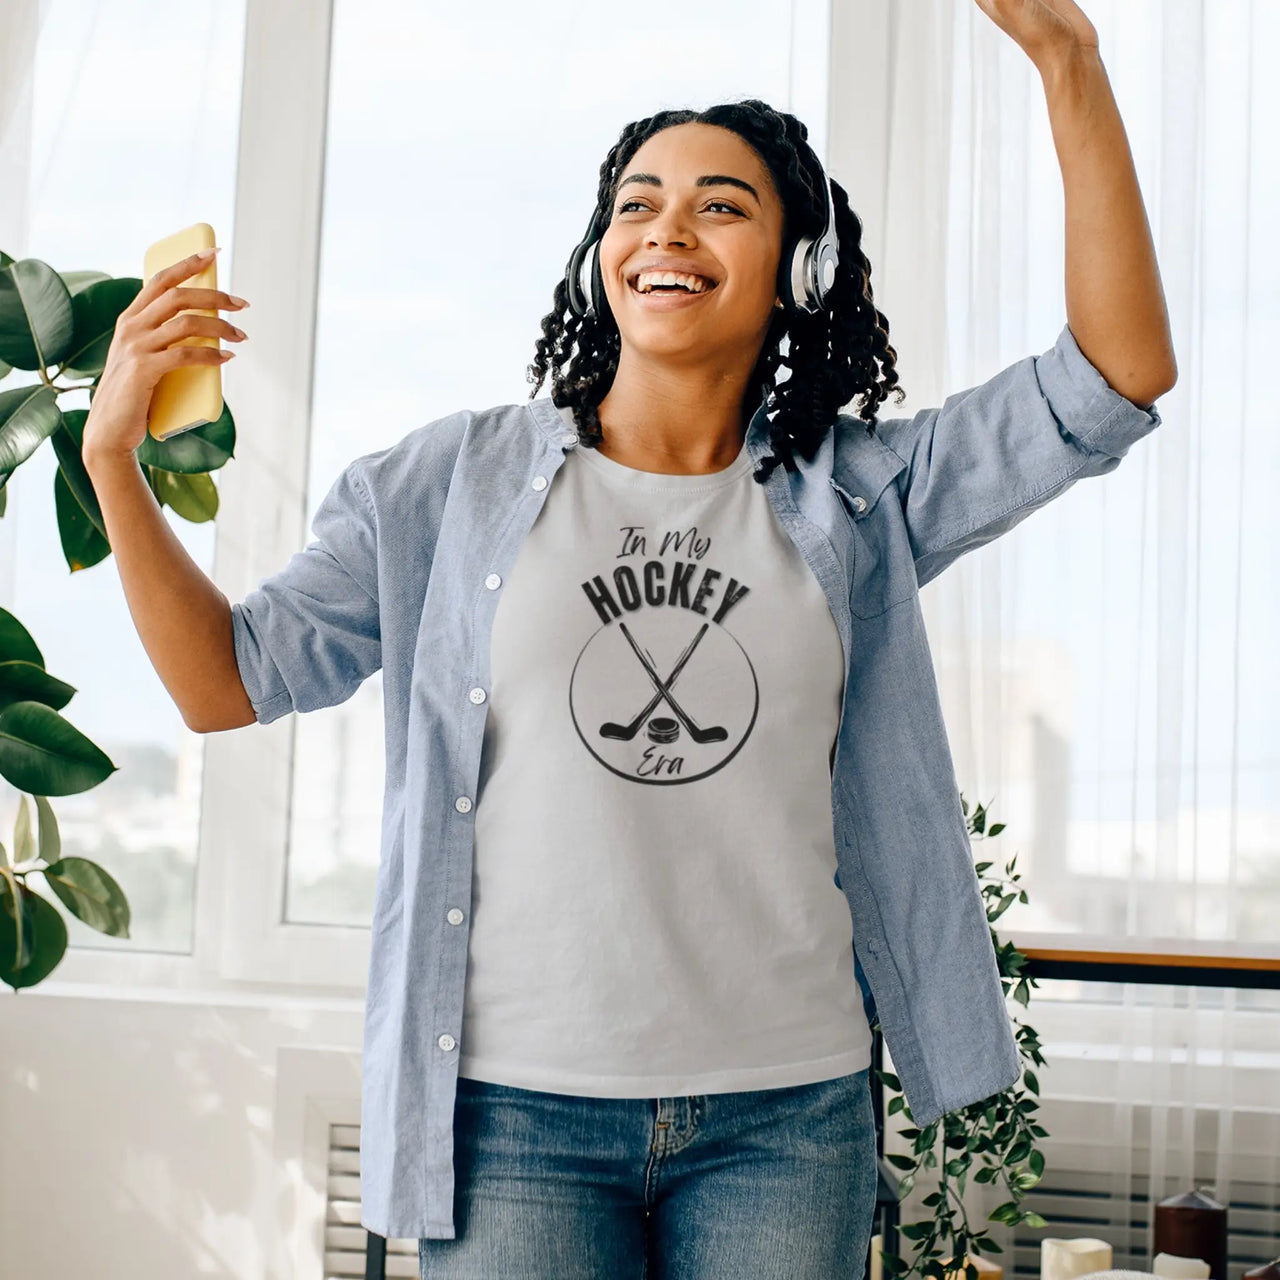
(668,228)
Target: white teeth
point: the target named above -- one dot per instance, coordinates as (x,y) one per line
(646,280)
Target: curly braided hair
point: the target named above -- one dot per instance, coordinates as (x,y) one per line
(832,354)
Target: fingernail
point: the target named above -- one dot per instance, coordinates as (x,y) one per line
(208,253)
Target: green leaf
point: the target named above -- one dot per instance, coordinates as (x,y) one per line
(996,829)
(36,321)
(981,867)
(95,308)
(1033,1219)
(27,682)
(16,642)
(1036,1160)
(67,444)
(1032,1083)
(24,845)
(891,1080)
(82,545)
(76,281)
(42,753)
(91,894)
(194,497)
(902,1162)
(895,1104)
(28,416)
(50,838)
(45,940)
(194,452)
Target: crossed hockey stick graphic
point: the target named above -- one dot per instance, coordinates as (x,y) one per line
(625,732)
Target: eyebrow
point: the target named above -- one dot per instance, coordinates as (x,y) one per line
(707,180)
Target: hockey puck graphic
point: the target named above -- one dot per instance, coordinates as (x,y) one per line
(663,696)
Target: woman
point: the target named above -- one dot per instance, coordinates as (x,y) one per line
(665,763)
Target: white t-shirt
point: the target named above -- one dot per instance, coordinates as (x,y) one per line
(654,906)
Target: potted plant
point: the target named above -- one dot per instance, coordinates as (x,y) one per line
(60,326)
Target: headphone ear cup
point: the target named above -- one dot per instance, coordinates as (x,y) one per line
(791,282)
(599,299)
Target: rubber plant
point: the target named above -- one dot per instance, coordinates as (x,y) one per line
(59,325)
(999,1132)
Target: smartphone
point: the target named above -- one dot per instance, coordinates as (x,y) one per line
(192,395)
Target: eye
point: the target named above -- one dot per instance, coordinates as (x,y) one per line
(628,204)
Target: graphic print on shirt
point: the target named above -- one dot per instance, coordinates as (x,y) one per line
(662,623)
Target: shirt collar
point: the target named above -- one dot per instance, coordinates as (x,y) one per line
(549,421)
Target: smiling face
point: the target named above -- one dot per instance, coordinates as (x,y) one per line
(697,201)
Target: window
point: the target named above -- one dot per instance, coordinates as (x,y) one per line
(98,143)
(451,204)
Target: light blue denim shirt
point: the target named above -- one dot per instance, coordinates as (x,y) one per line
(412,546)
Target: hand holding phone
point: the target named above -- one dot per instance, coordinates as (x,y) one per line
(169,331)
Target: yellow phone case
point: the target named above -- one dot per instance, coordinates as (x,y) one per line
(192,395)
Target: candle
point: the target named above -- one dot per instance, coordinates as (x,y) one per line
(1176,1268)
(1193,1225)
(1062,1259)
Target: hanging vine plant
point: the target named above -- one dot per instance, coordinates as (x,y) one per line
(992,1140)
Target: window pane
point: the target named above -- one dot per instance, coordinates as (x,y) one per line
(110,173)
(464,149)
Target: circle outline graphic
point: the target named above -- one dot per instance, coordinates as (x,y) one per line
(667,782)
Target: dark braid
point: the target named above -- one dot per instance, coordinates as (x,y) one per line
(832,355)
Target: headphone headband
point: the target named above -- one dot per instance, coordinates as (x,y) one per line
(806,269)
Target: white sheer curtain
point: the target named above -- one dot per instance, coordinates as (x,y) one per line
(1107,668)
(19,27)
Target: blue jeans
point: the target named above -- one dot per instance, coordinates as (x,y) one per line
(769,1184)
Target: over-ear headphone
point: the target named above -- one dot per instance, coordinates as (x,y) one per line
(806,270)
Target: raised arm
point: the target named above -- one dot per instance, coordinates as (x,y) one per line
(1115,300)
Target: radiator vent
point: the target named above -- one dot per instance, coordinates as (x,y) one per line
(344,1237)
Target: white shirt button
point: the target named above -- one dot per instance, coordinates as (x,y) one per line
(539,482)
(859,502)
(463,804)
(493,582)
(446,1041)
(476,696)
(454,916)
(569,437)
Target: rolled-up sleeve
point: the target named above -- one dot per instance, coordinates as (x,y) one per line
(308,636)
(995,452)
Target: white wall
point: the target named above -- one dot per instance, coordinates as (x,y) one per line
(137,1133)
